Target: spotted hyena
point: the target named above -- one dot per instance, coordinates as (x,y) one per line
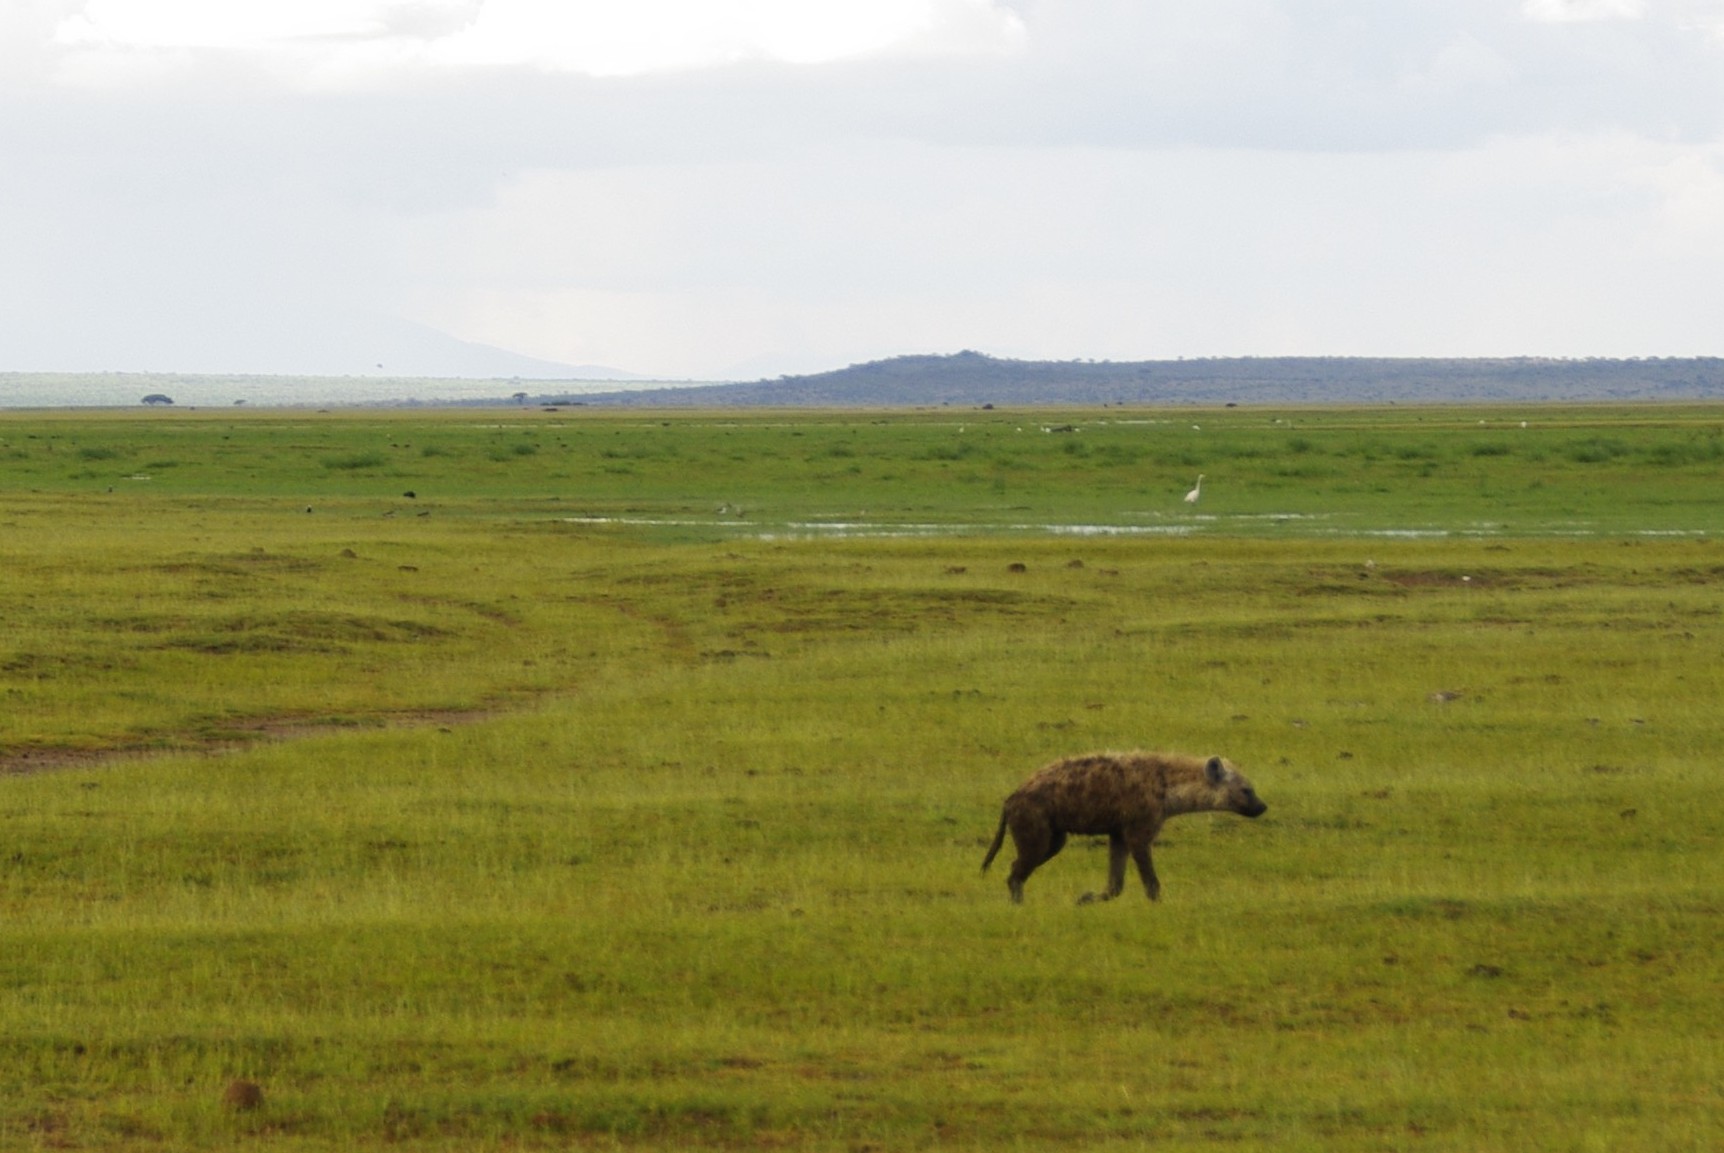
(1125,795)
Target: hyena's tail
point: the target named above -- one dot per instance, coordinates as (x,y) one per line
(999,839)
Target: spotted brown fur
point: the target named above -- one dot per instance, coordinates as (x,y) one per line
(1124,796)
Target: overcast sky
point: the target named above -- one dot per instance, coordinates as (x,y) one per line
(739,188)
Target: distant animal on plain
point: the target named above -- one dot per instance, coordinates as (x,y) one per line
(243,1096)
(1191,497)
(1125,796)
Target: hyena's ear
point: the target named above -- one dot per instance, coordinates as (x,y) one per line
(1215,772)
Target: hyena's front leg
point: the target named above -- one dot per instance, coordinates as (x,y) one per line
(1116,855)
(1146,867)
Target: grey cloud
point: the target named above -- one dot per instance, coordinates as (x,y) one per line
(1350,75)
(1357,74)
(428,21)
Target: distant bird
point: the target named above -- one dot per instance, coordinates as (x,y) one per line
(1191,497)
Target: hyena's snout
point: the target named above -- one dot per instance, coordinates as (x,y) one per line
(1255,809)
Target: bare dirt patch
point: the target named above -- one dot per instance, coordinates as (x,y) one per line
(234,737)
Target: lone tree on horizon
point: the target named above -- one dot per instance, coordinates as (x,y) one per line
(158,398)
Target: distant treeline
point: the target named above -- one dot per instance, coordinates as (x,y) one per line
(972,378)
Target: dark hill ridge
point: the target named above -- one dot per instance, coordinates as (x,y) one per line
(972,378)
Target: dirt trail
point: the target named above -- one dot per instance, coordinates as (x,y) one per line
(249,735)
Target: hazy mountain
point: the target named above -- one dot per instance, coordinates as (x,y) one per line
(386,345)
(971,378)
(236,337)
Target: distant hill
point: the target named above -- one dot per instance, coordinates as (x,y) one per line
(972,379)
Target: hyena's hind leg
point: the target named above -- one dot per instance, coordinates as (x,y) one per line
(1037,841)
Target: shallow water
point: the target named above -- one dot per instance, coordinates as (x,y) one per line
(810,530)
(1301,524)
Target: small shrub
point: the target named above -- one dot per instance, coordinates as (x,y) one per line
(354,461)
(1597,450)
(1688,452)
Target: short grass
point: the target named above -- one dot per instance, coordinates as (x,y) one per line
(667,834)
(1646,468)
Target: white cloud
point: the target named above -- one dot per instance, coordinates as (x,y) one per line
(660,35)
(216,24)
(1582,11)
(336,41)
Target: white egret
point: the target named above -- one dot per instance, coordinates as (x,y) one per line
(1191,497)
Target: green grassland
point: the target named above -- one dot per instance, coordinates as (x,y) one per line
(626,785)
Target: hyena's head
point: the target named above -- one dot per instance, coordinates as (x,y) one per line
(1231,791)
